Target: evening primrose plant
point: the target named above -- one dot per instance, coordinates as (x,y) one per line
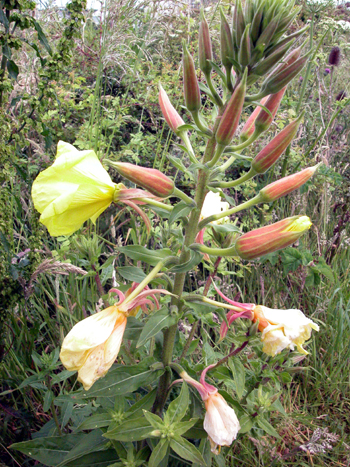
(160,407)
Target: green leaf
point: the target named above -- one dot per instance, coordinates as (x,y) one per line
(3,19)
(218,71)
(96,459)
(124,379)
(180,210)
(140,253)
(97,420)
(178,407)
(158,453)
(186,127)
(181,428)
(267,427)
(133,329)
(131,273)
(225,228)
(157,321)
(154,420)
(144,403)
(135,429)
(12,69)
(42,38)
(205,450)
(195,259)
(48,398)
(246,423)
(49,451)
(238,371)
(186,450)
(178,164)
(92,442)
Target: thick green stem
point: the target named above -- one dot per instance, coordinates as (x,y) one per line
(157,204)
(198,122)
(215,95)
(184,136)
(191,231)
(237,182)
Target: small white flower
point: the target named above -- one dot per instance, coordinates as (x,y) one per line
(213,205)
(282,329)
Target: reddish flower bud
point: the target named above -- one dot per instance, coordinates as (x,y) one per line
(286,185)
(269,62)
(230,119)
(191,88)
(151,179)
(264,120)
(270,153)
(204,47)
(226,44)
(289,60)
(271,238)
(171,116)
(249,126)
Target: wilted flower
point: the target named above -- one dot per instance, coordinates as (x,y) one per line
(93,344)
(282,329)
(220,421)
(76,188)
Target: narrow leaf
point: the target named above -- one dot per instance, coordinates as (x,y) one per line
(158,453)
(135,429)
(159,320)
(177,408)
(186,450)
(140,253)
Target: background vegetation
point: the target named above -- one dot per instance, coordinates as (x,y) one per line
(90,78)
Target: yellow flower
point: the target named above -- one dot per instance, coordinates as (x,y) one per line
(282,329)
(74,189)
(93,344)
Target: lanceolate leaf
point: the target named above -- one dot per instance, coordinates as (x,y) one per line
(158,453)
(267,427)
(135,429)
(195,259)
(140,253)
(159,320)
(124,379)
(131,273)
(186,450)
(180,210)
(177,408)
(96,459)
(91,443)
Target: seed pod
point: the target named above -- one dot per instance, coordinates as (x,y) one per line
(286,185)
(244,54)
(191,88)
(270,153)
(171,116)
(226,45)
(151,179)
(271,238)
(249,126)
(263,119)
(204,46)
(230,119)
(334,56)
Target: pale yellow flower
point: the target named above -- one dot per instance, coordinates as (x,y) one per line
(74,189)
(283,329)
(93,344)
(213,205)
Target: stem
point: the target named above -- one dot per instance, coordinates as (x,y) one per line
(244,145)
(219,150)
(184,136)
(191,230)
(99,285)
(215,95)
(180,194)
(255,97)
(145,282)
(237,182)
(158,204)
(197,120)
(231,354)
(229,78)
(248,204)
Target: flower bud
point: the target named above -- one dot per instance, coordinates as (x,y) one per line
(289,60)
(268,33)
(238,23)
(286,185)
(264,120)
(249,125)
(271,238)
(151,179)
(270,153)
(171,116)
(204,47)
(244,53)
(256,23)
(230,119)
(269,62)
(278,80)
(226,44)
(191,88)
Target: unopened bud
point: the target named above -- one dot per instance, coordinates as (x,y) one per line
(286,185)
(151,179)
(204,46)
(271,238)
(268,33)
(249,125)
(270,153)
(238,23)
(263,67)
(171,116)
(191,88)
(244,53)
(288,60)
(226,44)
(277,81)
(230,119)
(256,23)
(264,120)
